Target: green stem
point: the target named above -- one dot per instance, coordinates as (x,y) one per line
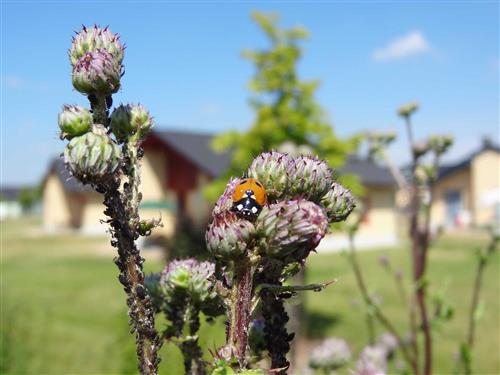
(99,109)
(375,308)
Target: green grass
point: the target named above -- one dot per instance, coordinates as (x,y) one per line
(63,310)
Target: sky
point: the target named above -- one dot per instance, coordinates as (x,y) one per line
(183,62)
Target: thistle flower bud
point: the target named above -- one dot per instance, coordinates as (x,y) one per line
(440,143)
(225,201)
(372,361)
(130,121)
(74,121)
(338,203)
(289,230)
(308,177)
(97,73)
(94,38)
(420,148)
(408,109)
(92,158)
(228,236)
(389,343)
(270,168)
(332,354)
(189,275)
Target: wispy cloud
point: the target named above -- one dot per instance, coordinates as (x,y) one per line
(13,82)
(411,44)
(210,109)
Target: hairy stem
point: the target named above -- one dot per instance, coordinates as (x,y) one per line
(99,109)
(131,277)
(191,351)
(239,317)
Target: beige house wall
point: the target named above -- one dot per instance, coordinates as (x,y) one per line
(485,181)
(56,211)
(459,181)
(380,227)
(197,207)
(381,218)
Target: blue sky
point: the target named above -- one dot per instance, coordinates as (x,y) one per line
(183,61)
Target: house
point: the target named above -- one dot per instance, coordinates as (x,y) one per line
(379,225)
(467,193)
(175,168)
(10,206)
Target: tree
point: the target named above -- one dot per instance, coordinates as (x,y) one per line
(287,113)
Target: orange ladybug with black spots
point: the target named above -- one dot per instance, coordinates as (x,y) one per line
(249,197)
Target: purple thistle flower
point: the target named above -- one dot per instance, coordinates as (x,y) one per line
(338,203)
(228,236)
(94,38)
(290,228)
(97,73)
(270,168)
(372,361)
(332,354)
(225,201)
(308,177)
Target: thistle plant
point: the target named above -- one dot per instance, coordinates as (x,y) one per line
(476,307)
(256,256)
(105,153)
(417,189)
(253,254)
(181,292)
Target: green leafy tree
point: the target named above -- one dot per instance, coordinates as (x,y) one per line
(287,113)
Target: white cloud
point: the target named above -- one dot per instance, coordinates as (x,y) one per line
(13,82)
(413,43)
(210,109)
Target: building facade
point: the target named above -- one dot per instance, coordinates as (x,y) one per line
(467,193)
(175,168)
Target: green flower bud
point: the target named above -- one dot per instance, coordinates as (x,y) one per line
(74,121)
(130,121)
(289,230)
(97,73)
(308,177)
(408,109)
(440,143)
(93,39)
(270,168)
(92,158)
(228,236)
(420,149)
(338,203)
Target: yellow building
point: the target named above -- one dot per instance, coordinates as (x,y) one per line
(175,168)
(467,193)
(380,222)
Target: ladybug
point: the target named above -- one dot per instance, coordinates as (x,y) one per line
(249,197)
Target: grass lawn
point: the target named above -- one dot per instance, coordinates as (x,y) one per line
(63,311)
